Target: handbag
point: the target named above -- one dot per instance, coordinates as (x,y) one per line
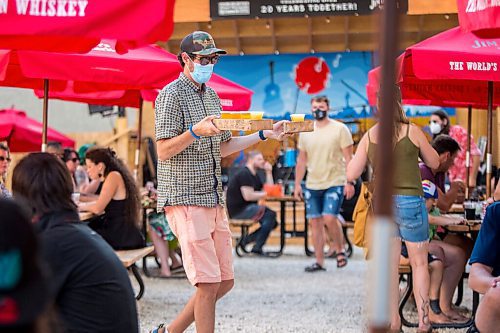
(363,215)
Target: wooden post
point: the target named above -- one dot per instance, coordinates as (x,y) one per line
(489,150)
(122,142)
(45,117)
(139,140)
(467,154)
(380,273)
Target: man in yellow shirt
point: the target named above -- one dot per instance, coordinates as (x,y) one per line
(325,152)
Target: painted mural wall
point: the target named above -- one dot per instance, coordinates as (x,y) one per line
(284,84)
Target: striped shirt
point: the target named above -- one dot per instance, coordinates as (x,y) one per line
(192,177)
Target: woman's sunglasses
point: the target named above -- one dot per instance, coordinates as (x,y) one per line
(74,160)
(2,159)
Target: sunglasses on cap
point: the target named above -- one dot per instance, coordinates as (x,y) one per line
(2,159)
(205,60)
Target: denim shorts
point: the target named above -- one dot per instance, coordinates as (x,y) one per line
(323,202)
(411,217)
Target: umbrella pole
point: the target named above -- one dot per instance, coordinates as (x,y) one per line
(489,149)
(139,141)
(45,113)
(383,226)
(467,155)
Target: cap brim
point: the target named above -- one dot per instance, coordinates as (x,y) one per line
(210,51)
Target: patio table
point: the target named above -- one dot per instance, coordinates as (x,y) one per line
(294,232)
(457,208)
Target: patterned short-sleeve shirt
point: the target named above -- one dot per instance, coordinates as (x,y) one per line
(192,177)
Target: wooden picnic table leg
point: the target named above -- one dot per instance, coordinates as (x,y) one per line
(348,251)
(145,234)
(475,302)
(282,225)
(407,293)
(244,234)
(138,277)
(306,233)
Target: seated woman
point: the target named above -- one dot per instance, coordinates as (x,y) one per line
(118,202)
(70,158)
(4,166)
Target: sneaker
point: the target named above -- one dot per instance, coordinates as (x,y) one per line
(314,268)
(259,252)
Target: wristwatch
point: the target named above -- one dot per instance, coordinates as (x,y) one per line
(353,183)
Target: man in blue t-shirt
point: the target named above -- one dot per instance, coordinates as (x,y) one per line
(484,274)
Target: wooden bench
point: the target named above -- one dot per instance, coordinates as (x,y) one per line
(244,225)
(129,258)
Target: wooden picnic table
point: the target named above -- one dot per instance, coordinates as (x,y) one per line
(457,208)
(470,226)
(294,232)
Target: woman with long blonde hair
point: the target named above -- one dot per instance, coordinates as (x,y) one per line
(410,213)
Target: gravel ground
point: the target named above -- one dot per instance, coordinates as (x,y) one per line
(275,295)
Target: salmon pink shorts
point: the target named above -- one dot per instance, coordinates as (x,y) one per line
(205,241)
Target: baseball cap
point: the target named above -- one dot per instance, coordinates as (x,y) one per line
(200,42)
(430,189)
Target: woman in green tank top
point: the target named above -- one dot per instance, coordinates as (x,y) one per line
(410,213)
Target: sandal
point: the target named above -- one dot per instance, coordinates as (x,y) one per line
(314,268)
(177,269)
(157,330)
(341,259)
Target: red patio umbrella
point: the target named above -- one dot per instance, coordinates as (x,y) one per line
(23,134)
(78,26)
(417,91)
(102,68)
(464,68)
(233,98)
(482,17)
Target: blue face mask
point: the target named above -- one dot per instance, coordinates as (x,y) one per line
(201,74)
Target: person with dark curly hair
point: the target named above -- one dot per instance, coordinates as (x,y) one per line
(118,202)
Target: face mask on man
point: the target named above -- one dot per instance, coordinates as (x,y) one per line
(435,128)
(202,73)
(319,114)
